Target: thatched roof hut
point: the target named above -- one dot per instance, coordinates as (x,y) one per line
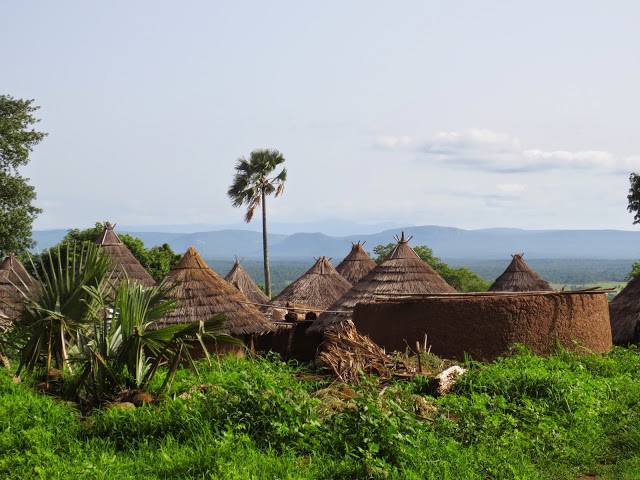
(404,272)
(519,277)
(14,282)
(239,278)
(202,293)
(122,260)
(356,265)
(318,288)
(624,313)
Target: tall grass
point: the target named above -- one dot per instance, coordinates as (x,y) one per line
(521,417)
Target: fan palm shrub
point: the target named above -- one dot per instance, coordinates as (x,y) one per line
(61,305)
(109,340)
(125,347)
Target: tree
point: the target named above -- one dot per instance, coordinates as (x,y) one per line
(253,182)
(462,279)
(158,260)
(17,139)
(634,197)
(635,271)
(634,207)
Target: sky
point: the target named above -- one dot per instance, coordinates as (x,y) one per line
(468,114)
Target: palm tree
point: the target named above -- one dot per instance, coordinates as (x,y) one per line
(253,182)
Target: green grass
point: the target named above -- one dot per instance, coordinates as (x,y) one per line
(523,417)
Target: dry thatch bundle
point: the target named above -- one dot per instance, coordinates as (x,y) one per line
(15,281)
(348,354)
(124,264)
(356,265)
(519,277)
(318,288)
(402,273)
(202,293)
(239,278)
(624,314)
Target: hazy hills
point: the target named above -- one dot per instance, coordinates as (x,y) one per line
(446,242)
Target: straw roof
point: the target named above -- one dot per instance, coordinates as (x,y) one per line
(318,288)
(239,278)
(14,281)
(624,313)
(519,277)
(404,272)
(202,293)
(122,260)
(356,265)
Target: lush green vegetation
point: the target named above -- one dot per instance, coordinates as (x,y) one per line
(461,278)
(105,336)
(157,260)
(18,137)
(522,417)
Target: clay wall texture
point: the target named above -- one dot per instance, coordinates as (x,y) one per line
(487,326)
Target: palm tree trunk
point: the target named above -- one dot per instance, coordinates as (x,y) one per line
(265,247)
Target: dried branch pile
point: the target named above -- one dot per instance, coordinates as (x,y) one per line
(348,354)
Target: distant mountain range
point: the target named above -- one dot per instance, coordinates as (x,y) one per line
(330,226)
(446,242)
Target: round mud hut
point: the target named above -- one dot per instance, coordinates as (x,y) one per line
(314,291)
(202,293)
(15,282)
(403,273)
(239,278)
(624,311)
(356,265)
(488,325)
(520,277)
(123,263)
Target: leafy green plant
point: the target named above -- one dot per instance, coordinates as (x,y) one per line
(61,306)
(125,347)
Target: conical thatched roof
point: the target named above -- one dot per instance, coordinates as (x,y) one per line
(519,277)
(14,279)
(402,273)
(239,278)
(356,265)
(318,288)
(624,313)
(202,293)
(122,260)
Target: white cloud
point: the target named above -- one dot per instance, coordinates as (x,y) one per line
(487,150)
(393,141)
